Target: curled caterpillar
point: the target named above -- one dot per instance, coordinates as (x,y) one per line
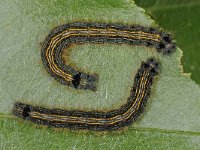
(97,120)
(63,36)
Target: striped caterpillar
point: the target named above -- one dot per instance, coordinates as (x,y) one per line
(96,120)
(79,33)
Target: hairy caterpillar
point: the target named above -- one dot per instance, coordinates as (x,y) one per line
(63,36)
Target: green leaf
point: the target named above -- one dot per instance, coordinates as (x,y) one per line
(181,17)
(171,119)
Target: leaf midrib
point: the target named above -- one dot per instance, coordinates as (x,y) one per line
(142,129)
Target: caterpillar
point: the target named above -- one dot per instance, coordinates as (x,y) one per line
(63,36)
(97,120)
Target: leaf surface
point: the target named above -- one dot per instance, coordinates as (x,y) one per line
(171,119)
